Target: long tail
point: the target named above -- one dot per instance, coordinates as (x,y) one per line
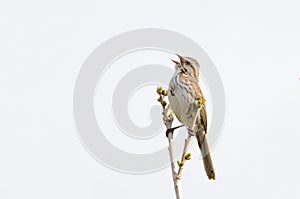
(203,145)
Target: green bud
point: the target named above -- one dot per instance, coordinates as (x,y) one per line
(164,103)
(171,113)
(180,164)
(188,156)
(165,92)
(159,90)
(200,102)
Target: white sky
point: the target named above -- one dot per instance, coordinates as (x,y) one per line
(254,44)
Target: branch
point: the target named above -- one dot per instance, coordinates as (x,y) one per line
(186,156)
(168,120)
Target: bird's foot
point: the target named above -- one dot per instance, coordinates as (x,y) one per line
(191,132)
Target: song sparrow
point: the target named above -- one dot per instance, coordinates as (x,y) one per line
(184,90)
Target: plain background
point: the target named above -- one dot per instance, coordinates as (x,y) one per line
(254,44)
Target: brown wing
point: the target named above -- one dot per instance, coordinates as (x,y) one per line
(204,118)
(198,94)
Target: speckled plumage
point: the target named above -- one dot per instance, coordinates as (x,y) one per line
(184,90)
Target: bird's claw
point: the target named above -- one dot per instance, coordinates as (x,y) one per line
(191,132)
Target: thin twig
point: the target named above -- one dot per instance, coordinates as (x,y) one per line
(173,167)
(186,144)
(168,120)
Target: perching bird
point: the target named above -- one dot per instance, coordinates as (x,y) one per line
(184,91)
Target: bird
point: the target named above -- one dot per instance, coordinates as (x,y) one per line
(184,91)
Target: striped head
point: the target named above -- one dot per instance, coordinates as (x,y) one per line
(188,66)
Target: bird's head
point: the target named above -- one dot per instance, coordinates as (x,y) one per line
(188,66)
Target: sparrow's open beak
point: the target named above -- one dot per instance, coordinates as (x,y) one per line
(176,62)
(181,59)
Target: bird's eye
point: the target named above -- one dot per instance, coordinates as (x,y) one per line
(187,62)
